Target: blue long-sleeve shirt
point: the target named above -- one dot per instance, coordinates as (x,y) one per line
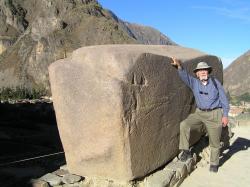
(206,96)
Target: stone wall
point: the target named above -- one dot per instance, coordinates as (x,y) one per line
(118,107)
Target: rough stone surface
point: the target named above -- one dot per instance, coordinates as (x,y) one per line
(118,107)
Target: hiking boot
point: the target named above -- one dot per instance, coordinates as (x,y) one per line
(213,168)
(185,155)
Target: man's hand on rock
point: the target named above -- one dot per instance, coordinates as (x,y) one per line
(175,62)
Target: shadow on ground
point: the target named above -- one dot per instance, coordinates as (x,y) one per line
(240,144)
(27,132)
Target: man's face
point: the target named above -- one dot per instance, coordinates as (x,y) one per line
(202,74)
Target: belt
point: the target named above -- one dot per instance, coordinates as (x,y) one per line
(208,110)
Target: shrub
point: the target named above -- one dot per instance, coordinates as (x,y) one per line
(237,100)
(21,93)
(244,97)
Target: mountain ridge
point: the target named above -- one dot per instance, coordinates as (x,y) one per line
(143,34)
(237,75)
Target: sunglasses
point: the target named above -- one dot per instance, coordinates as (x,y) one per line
(205,93)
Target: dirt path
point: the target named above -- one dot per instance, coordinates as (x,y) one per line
(235,165)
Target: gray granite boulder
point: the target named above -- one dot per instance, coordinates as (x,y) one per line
(118,107)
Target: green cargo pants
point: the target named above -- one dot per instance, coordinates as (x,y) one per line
(212,121)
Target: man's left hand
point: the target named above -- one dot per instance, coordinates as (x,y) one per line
(224,121)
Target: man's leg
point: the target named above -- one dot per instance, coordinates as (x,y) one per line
(214,128)
(185,128)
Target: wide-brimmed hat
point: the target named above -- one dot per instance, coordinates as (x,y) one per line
(203,65)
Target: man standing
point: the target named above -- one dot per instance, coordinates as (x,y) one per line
(212,110)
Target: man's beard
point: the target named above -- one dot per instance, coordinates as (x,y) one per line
(203,78)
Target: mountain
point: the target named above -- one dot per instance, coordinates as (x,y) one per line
(35,33)
(148,35)
(143,34)
(237,75)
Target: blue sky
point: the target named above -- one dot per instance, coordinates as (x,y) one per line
(217,27)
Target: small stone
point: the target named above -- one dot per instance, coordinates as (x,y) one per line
(39,183)
(179,167)
(52,179)
(175,159)
(190,165)
(160,179)
(195,158)
(71,178)
(61,172)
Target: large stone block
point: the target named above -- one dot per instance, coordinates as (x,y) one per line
(118,107)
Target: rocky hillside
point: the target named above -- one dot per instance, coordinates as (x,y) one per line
(35,33)
(237,75)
